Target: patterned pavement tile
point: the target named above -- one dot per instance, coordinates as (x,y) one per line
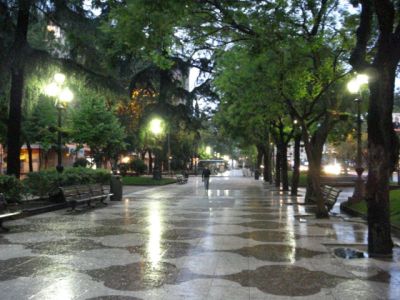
(286,280)
(240,240)
(67,246)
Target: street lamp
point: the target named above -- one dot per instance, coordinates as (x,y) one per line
(354,87)
(169,154)
(156,127)
(62,96)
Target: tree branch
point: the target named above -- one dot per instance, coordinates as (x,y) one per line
(358,56)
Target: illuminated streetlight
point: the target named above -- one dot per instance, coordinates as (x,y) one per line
(354,87)
(63,96)
(59,78)
(156,126)
(208,150)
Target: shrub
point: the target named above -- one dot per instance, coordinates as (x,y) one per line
(44,182)
(138,166)
(123,168)
(80,175)
(40,183)
(81,162)
(101,175)
(11,187)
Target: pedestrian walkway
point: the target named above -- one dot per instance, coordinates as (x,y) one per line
(242,239)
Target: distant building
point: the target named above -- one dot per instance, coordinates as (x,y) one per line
(44,159)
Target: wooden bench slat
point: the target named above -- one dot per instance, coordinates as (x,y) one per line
(9,214)
(330,195)
(6,215)
(84,193)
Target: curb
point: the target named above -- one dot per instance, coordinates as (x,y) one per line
(352,212)
(44,209)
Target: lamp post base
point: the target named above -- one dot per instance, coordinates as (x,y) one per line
(60,168)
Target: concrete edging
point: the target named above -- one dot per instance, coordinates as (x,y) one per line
(352,212)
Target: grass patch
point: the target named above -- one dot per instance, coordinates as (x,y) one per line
(133,180)
(361,207)
(302,179)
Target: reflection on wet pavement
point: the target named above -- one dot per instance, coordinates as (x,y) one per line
(240,240)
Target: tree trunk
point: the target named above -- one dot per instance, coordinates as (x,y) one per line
(143,155)
(98,157)
(314,173)
(260,153)
(40,159)
(296,166)
(383,148)
(17,88)
(382,157)
(278,167)
(271,163)
(150,162)
(314,147)
(267,163)
(46,159)
(29,148)
(264,159)
(284,167)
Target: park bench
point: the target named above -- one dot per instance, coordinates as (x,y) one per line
(330,195)
(180,179)
(5,214)
(89,193)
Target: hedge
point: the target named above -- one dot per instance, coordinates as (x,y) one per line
(42,182)
(11,187)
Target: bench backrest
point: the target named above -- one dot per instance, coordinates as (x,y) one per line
(75,192)
(331,196)
(84,191)
(96,189)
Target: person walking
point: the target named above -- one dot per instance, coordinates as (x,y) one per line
(205,176)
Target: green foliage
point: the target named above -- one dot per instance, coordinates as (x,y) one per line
(44,182)
(361,207)
(139,166)
(106,139)
(123,168)
(302,179)
(81,162)
(41,183)
(11,187)
(134,180)
(145,28)
(40,125)
(80,175)
(249,99)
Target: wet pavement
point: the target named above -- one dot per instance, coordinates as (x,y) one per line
(242,239)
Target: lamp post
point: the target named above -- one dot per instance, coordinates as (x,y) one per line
(169,154)
(156,127)
(62,96)
(354,86)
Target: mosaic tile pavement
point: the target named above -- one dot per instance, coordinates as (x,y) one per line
(240,240)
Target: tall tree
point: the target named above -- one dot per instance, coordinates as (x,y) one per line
(247,104)
(36,24)
(106,139)
(378,55)
(17,68)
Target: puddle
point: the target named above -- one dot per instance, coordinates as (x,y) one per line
(349,253)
